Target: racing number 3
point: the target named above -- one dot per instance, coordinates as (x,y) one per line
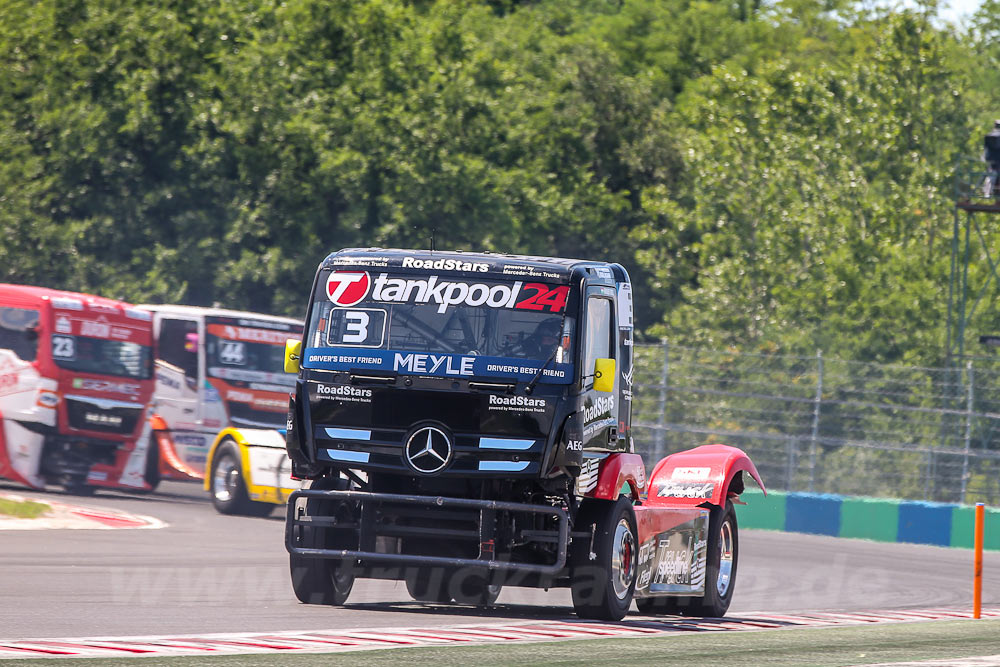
(356,326)
(553,299)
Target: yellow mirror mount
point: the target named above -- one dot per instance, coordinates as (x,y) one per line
(604,375)
(293,353)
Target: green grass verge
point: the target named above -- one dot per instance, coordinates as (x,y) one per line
(808,647)
(26,509)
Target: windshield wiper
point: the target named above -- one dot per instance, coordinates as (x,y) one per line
(538,375)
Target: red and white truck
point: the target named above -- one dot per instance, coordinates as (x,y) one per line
(215,368)
(76,375)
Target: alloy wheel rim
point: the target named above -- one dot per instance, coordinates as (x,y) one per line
(227,475)
(623,559)
(725,559)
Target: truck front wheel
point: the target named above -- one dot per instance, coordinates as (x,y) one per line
(604,568)
(320,580)
(228,488)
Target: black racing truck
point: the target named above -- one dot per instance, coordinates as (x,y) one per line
(464,421)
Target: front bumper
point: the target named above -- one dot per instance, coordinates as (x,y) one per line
(368,528)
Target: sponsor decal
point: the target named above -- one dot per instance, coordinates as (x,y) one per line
(574,445)
(442,365)
(95,329)
(121,333)
(9,382)
(517,404)
(106,386)
(346,288)
(603,272)
(244,375)
(445,265)
(691,474)
(525,271)
(164,378)
(445,293)
(66,303)
(64,324)
(266,324)
(433,363)
(102,419)
(365,260)
(106,308)
(270,404)
(47,399)
(212,394)
(97,476)
(602,406)
(268,387)
(673,489)
(190,440)
(674,567)
(250,335)
(625,309)
(239,396)
(343,392)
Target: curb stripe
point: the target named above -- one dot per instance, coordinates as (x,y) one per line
(327,641)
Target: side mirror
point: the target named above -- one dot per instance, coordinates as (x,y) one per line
(293,352)
(604,375)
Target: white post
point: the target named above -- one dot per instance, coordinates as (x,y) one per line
(815,425)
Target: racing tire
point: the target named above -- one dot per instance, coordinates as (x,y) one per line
(720,568)
(475,587)
(152,471)
(321,581)
(426,584)
(78,487)
(603,580)
(227,486)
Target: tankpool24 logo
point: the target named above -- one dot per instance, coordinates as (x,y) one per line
(348,288)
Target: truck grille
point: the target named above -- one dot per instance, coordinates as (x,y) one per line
(104,416)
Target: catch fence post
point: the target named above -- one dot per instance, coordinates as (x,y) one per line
(968,429)
(815,425)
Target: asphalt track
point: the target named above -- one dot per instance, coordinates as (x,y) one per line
(207,573)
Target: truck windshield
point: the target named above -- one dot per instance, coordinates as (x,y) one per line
(226,356)
(512,320)
(102,357)
(18,332)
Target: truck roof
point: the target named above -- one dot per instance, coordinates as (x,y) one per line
(202,311)
(457,260)
(30,294)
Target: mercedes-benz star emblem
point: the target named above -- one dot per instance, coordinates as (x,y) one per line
(428,450)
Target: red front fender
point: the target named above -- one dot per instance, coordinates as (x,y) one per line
(700,475)
(617,470)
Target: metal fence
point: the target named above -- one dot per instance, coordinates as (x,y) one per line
(827,425)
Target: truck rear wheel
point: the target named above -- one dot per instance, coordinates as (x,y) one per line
(720,572)
(320,580)
(603,572)
(227,485)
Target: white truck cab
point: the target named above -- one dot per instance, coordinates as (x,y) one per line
(214,368)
